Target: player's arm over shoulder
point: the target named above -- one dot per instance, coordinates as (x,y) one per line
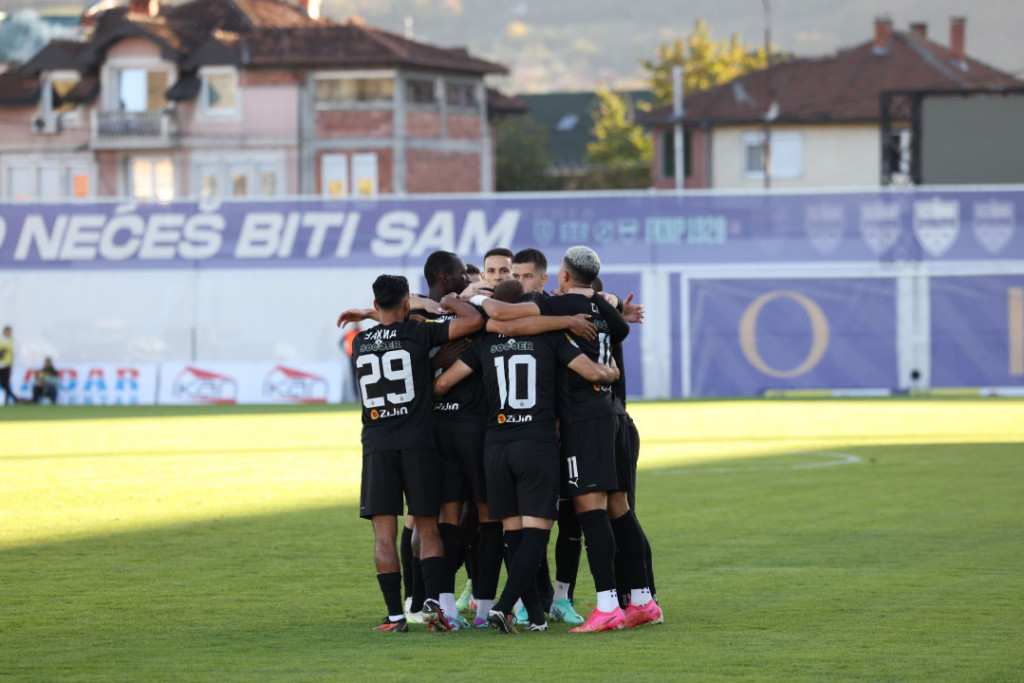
(468,321)
(593,371)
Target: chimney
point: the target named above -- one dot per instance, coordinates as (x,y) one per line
(311,8)
(150,8)
(956,39)
(883,35)
(920,28)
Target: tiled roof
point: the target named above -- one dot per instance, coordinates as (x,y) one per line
(842,88)
(352,45)
(18,89)
(256,33)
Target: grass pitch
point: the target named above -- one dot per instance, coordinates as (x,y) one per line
(794,540)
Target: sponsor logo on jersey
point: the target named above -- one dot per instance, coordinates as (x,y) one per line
(512,345)
(446,406)
(513,419)
(388,412)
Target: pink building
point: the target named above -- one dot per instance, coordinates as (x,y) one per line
(243,98)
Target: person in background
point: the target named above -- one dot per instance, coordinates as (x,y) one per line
(497,265)
(474,273)
(6,363)
(47,382)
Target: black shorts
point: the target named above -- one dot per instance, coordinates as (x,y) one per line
(387,475)
(633,439)
(462,466)
(522,479)
(591,460)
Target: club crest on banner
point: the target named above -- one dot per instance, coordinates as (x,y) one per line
(544,230)
(824,225)
(937,224)
(629,230)
(994,224)
(880,226)
(604,231)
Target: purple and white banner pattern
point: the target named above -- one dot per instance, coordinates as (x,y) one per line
(625,229)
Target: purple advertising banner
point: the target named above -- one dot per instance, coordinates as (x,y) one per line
(977,331)
(749,336)
(625,229)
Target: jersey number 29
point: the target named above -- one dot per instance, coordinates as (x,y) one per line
(396,366)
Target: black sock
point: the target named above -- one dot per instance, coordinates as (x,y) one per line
(433,575)
(418,595)
(568,544)
(489,551)
(522,573)
(629,538)
(405,552)
(600,548)
(648,561)
(449,541)
(391,587)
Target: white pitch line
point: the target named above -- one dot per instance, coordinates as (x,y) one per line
(838,459)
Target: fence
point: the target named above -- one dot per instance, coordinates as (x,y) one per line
(881,290)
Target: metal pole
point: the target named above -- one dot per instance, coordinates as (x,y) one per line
(771,96)
(677,114)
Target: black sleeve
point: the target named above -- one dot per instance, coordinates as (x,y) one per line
(618,329)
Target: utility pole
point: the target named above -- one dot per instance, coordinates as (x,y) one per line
(770,112)
(677,115)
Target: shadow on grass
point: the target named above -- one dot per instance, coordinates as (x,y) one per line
(769,572)
(28,413)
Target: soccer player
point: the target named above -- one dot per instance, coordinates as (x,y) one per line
(596,462)
(530,267)
(521,456)
(497,265)
(399,454)
(459,431)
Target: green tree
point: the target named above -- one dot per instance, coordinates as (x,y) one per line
(620,156)
(521,157)
(706,62)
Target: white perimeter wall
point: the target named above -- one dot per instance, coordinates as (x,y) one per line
(184,315)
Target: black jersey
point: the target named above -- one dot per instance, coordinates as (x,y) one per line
(462,408)
(395,381)
(519,375)
(578,399)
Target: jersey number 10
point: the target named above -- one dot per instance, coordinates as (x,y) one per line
(509,391)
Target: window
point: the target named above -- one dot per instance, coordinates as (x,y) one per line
(668,154)
(334,175)
(237,174)
(219,94)
(420,91)
(364,175)
(899,154)
(787,152)
(32,177)
(460,94)
(151,178)
(61,83)
(142,89)
(354,90)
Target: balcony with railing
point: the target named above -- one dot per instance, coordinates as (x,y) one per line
(133,129)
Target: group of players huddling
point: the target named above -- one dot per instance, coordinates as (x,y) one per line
(511,402)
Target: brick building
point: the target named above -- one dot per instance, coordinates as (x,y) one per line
(231,98)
